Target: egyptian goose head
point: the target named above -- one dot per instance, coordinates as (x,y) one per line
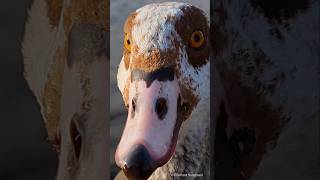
(164,80)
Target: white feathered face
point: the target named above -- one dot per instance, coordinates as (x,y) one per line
(161,77)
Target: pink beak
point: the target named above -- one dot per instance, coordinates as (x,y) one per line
(152,126)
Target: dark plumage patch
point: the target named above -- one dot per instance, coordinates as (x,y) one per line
(183,109)
(279,11)
(162,74)
(218,35)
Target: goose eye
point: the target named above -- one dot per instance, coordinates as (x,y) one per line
(196,39)
(127,42)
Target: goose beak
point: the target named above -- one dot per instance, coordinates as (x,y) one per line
(152,126)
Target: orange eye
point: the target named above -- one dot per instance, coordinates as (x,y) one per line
(127,42)
(196,39)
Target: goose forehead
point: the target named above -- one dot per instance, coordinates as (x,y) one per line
(154,26)
(160,11)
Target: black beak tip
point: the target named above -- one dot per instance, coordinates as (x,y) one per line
(138,164)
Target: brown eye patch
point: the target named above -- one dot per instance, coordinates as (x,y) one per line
(193,29)
(127,41)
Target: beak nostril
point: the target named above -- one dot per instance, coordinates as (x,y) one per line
(75,138)
(133,105)
(125,169)
(161,108)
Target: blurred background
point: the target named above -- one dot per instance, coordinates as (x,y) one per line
(119,11)
(25,154)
